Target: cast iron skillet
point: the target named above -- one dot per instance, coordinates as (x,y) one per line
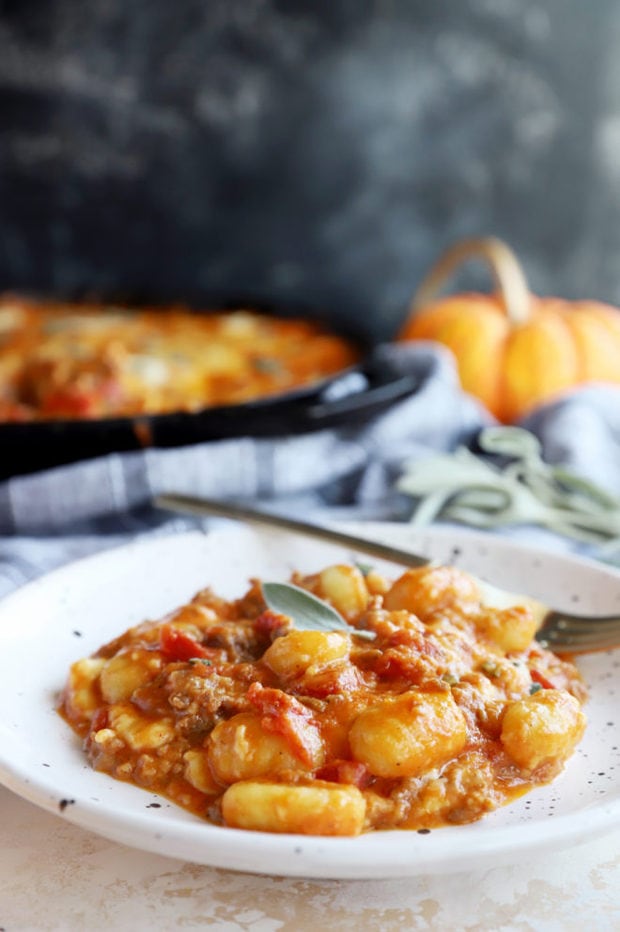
(349,397)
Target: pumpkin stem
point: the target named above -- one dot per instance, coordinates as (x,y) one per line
(505,268)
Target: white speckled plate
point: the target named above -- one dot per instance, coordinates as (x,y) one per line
(68,614)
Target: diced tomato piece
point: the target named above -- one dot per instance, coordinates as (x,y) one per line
(284,715)
(346,771)
(99,720)
(68,403)
(270,623)
(178,645)
(330,682)
(542,680)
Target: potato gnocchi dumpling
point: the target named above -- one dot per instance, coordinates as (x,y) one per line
(425,708)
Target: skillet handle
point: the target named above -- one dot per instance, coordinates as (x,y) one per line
(361,392)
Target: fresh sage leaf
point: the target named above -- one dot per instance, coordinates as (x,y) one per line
(511,484)
(308,612)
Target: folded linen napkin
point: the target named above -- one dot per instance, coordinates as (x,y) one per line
(52,517)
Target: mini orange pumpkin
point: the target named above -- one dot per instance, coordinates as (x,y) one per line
(514,350)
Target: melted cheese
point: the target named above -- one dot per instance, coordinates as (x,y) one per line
(65,362)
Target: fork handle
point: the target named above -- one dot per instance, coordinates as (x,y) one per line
(189,504)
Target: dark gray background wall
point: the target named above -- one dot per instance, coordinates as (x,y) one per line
(307,152)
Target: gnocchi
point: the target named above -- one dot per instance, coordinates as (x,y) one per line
(241,748)
(319,809)
(426,708)
(123,673)
(305,652)
(345,588)
(542,729)
(405,736)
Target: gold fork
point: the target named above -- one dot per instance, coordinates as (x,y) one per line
(560,631)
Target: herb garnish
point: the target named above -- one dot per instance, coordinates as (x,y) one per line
(267,365)
(308,612)
(511,484)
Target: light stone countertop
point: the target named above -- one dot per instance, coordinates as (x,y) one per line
(56,876)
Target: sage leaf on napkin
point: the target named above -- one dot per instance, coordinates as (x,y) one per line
(308,612)
(516,487)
